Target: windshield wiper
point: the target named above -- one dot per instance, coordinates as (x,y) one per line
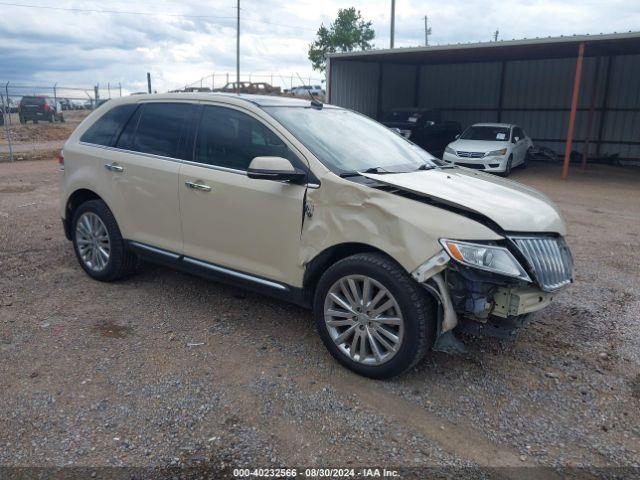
(378,170)
(426,166)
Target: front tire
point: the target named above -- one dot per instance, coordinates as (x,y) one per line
(98,243)
(508,167)
(372,316)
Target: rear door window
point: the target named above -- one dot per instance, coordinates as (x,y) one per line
(106,129)
(159,129)
(231,139)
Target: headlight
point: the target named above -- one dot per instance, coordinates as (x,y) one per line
(450,150)
(485,257)
(496,153)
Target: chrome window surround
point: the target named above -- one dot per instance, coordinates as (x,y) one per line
(549,260)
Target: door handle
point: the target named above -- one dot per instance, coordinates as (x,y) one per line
(198,186)
(114,167)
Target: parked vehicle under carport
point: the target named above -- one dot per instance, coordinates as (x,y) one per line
(425,128)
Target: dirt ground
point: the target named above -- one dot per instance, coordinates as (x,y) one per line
(171,371)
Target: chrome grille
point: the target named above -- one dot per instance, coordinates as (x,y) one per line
(470,154)
(549,258)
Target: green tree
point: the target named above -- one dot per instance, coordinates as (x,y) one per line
(347,33)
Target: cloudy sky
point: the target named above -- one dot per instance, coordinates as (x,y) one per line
(84,42)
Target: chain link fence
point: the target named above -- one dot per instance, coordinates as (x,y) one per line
(69,98)
(286,81)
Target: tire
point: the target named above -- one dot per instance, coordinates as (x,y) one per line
(527,156)
(507,169)
(120,262)
(413,308)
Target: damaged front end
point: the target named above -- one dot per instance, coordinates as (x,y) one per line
(493,288)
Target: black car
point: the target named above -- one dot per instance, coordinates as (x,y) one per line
(39,107)
(423,127)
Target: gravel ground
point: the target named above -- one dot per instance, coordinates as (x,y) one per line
(169,371)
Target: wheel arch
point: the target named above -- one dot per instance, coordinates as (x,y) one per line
(322,261)
(76,199)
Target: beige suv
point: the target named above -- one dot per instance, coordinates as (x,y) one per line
(392,249)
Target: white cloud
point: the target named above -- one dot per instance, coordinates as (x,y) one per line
(40,45)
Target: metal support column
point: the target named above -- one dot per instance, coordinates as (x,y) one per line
(605,103)
(592,103)
(416,87)
(572,115)
(503,69)
(379,100)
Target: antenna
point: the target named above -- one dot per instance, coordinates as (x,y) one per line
(427,31)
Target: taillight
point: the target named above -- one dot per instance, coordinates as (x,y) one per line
(46,106)
(61,159)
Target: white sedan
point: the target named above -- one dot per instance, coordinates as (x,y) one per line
(491,147)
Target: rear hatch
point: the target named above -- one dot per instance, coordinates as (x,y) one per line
(32,104)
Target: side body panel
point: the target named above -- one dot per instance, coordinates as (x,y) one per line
(408,231)
(143,196)
(243,224)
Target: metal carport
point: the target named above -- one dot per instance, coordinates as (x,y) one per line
(587,87)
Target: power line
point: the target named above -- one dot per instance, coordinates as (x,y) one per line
(153,14)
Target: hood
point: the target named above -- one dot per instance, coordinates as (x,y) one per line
(511,205)
(477,145)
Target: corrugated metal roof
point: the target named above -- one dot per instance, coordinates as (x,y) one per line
(628,42)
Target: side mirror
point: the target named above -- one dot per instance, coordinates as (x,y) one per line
(274,168)
(516,139)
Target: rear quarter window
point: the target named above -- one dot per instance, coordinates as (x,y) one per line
(106,129)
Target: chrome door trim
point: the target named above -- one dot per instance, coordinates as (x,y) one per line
(149,248)
(215,167)
(233,273)
(133,152)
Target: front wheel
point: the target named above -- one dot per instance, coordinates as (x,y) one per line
(508,167)
(372,316)
(98,244)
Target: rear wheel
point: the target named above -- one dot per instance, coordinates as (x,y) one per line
(527,156)
(98,244)
(372,316)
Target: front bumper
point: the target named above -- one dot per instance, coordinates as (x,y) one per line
(482,302)
(486,164)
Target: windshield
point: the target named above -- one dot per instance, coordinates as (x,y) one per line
(493,134)
(345,141)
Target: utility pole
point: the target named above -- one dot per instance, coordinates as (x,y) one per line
(495,35)
(148,82)
(427,31)
(238,50)
(393,22)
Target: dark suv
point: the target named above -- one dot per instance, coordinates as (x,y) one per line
(423,127)
(39,107)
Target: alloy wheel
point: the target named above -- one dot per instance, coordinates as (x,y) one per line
(364,319)
(92,239)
